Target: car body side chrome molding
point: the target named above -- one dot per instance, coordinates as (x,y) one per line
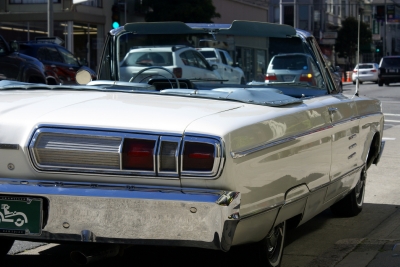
(243,153)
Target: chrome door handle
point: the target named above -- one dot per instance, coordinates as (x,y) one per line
(332,110)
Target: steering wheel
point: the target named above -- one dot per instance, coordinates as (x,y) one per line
(157,67)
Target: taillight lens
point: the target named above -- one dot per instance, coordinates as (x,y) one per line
(355,71)
(168,151)
(177,72)
(138,154)
(306,77)
(373,70)
(198,157)
(270,77)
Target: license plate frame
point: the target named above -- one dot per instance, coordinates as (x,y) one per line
(288,78)
(20,215)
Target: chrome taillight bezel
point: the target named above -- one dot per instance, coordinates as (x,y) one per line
(218,157)
(117,169)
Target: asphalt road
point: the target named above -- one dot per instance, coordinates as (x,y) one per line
(304,245)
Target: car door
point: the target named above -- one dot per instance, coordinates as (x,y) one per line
(197,67)
(54,61)
(230,73)
(345,145)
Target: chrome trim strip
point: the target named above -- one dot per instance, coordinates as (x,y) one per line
(352,136)
(352,155)
(353,146)
(255,213)
(369,115)
(243,153)
(9,146)
(247,152)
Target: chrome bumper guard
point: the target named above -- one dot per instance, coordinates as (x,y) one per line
(132,215)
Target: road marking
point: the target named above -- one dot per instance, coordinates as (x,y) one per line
(388,114)
(36,251)
(388,138)
(391,121)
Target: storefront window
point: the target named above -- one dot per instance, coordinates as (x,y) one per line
(32,1)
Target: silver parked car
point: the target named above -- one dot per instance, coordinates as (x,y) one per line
(181,61)
(293,68)
(365,72)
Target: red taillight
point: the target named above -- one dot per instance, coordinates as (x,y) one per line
(306,77)
(177,72)
(373,70)
(355,71)
(198,157)
(138,154)
(270,77)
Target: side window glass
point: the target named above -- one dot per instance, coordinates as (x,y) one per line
(200,62)
(43,54)
(191,60)
(222,54)
(54,55)
(184,58)
(68,57)
(229,59)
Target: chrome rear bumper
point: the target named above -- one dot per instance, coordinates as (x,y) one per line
(132,215)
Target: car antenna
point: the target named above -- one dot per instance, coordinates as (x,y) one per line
(358,58)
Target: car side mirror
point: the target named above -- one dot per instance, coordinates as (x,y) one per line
(214,67)
(14,46)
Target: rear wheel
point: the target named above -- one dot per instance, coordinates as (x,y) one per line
(5,246)
(380,83)
(271,247)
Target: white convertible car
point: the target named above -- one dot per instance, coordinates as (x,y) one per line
(183,162)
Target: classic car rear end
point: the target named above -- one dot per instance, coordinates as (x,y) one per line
(210,166)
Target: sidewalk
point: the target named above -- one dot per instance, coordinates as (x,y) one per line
(381,248)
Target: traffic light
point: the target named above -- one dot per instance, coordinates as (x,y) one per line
(115,17)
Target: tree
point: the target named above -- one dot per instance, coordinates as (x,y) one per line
(189,11)
(346,42)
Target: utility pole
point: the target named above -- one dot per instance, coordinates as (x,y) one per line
(50,22)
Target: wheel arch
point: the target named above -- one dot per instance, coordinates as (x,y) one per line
(375,150)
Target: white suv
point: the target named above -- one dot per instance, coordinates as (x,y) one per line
(226,68)
(182,61)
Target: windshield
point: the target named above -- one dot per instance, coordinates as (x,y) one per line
(266,55)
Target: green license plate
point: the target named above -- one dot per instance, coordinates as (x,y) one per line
(20,215)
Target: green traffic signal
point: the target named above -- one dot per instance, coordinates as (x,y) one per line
(115,16)
(115,25)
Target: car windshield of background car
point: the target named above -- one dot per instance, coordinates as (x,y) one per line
(128,42)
